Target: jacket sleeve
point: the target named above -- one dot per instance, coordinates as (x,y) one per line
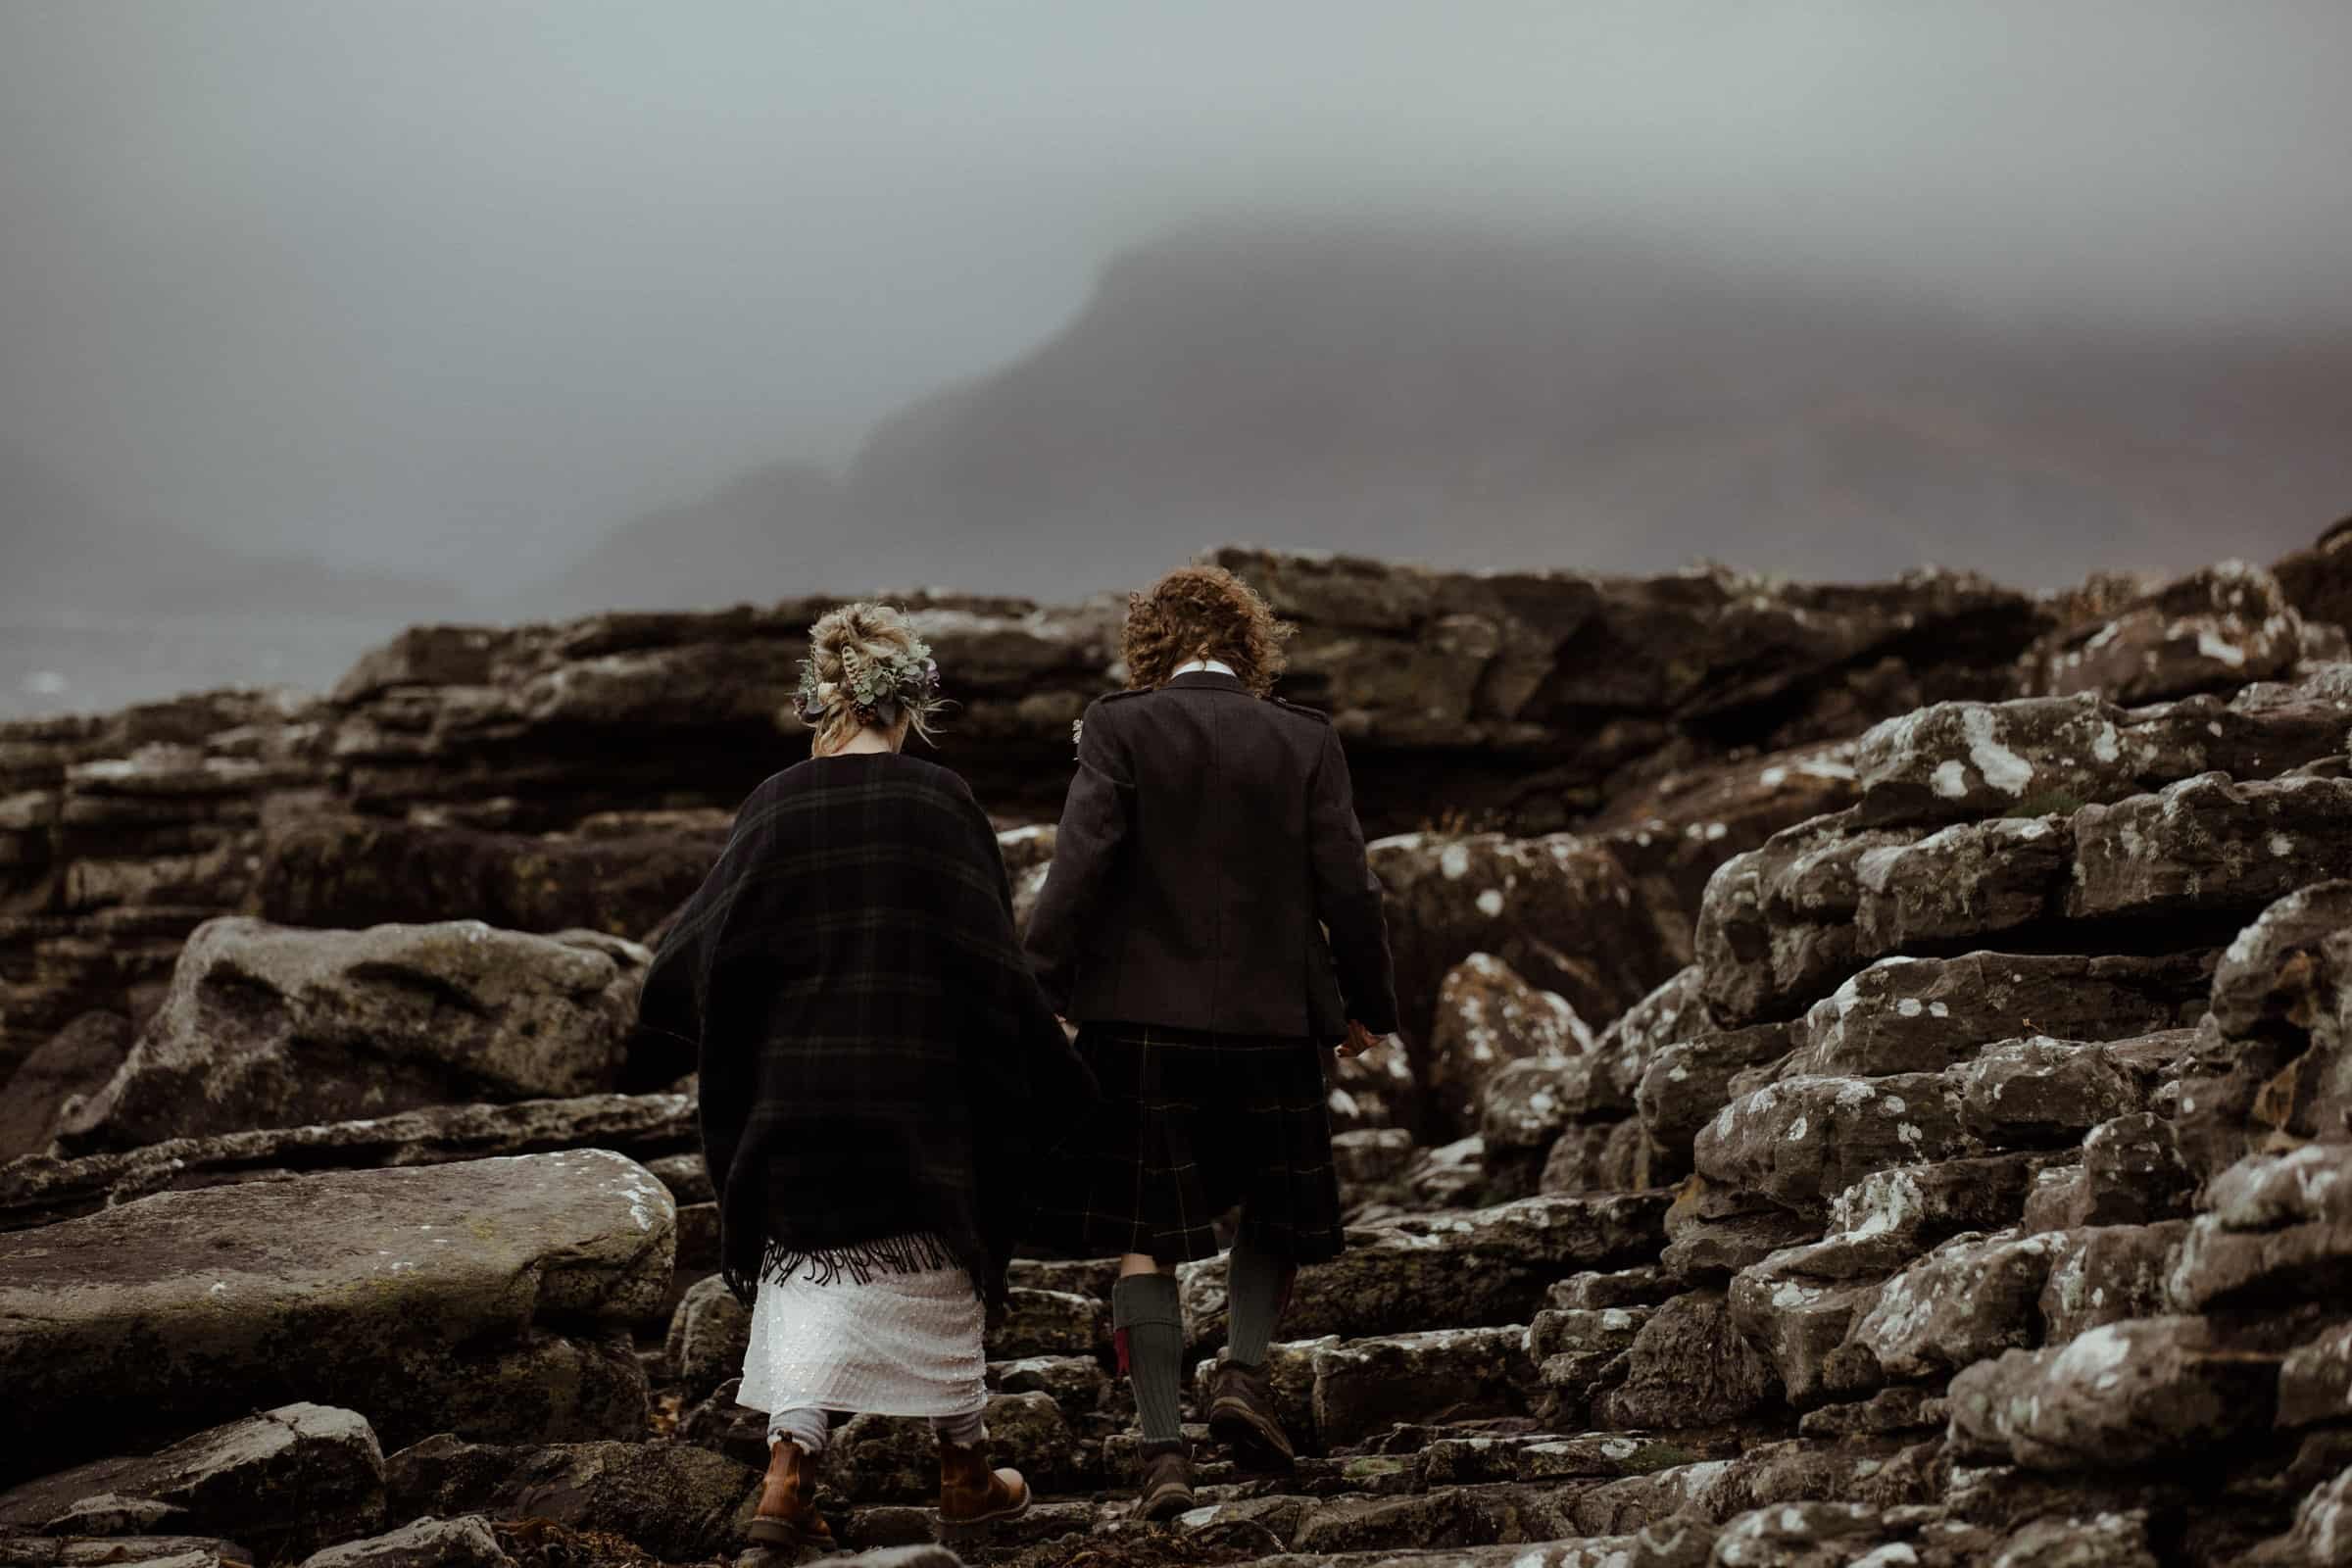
(1347,895)
(1095,821)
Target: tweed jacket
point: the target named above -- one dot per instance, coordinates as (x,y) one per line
(1207,846)
(877,1062)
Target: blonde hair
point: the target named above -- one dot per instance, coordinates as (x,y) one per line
(866,665)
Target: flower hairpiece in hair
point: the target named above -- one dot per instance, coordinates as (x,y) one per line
(876,690)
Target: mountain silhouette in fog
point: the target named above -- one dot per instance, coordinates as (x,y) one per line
(1480,398)
(66,554)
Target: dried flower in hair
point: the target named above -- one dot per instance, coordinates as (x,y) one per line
(885,671)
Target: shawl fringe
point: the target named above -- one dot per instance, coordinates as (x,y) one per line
(921,1252)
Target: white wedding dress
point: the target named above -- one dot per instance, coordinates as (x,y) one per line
(898,1345)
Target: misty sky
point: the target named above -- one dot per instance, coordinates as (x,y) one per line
(458,285)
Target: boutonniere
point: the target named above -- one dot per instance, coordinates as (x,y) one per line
(1077,734)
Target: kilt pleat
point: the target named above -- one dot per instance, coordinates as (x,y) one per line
(1191,1125)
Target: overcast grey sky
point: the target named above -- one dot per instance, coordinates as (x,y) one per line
(395,281)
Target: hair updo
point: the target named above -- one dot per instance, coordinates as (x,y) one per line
(866,665)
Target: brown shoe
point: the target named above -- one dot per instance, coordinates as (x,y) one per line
(972,1496)
(1167,1489)
(1241,1416)
(788,1518)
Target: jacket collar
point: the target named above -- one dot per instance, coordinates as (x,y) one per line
(1210,679)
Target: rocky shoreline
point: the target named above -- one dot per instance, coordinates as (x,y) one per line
(1873,1091)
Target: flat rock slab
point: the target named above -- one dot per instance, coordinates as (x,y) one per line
(335,869)
(1965,882)
(2208,845)
(1972,1297)
(1445,1516)
(121,1552)
(2121,1396)
(1545,1456)
(1362,1386)
(284,1481)
(1586,1551)
(919,1556)
(41,1190)
(1472,1269)
(2217,627)
(2278,1231)
(1957,761)
(1927,1014)
(467,1541)
(187,1306)
(1801,1141)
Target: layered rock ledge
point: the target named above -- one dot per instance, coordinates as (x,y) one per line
(1873,1092)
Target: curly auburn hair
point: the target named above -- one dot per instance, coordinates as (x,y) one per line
(1203,613)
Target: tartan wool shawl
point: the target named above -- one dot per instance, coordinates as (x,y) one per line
(879,1068)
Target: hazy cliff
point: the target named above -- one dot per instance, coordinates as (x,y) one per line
(1469,399)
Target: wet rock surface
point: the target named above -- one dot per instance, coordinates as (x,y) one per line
(269,1026)
(1487,1018)
(2119,1395)
(2220,628)
(679,1502)
(80,1061)
(620,873)
(402,1294)
(284,1481)
(654,1129)
(1873,1092)
(467,1541)
(1559,912)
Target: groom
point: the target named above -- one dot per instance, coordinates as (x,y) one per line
(1211,924)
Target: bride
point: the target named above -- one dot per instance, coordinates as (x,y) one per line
(873,1050)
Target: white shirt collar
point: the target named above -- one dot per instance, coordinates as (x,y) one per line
(1216,665)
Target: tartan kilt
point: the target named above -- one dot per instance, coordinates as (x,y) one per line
(1188,1125)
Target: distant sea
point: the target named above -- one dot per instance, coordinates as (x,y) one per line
(68,662)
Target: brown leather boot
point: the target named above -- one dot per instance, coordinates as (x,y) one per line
(1167,1489)
(788,1518)
(1241,1415)
(972,1496)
